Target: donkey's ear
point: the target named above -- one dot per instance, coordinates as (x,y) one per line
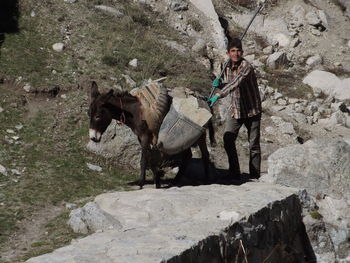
(94,93)
(109,94)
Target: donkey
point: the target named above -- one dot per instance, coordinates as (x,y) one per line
(126,108)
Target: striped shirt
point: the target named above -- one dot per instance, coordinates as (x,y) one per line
(239,82)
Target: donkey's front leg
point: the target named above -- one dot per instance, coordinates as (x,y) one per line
(143,166)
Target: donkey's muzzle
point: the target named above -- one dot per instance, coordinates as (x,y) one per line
(94,135)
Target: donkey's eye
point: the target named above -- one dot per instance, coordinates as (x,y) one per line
(97,117)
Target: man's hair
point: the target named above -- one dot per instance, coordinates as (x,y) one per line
(234,42)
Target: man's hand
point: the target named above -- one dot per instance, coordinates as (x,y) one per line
(216,82)
(212,100)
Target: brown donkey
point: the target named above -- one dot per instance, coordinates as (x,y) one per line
(126,108)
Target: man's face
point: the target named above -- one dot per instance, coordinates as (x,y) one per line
(235,54)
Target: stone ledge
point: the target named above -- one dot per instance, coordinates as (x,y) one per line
(195,224)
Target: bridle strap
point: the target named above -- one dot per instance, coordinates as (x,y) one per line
(122,117)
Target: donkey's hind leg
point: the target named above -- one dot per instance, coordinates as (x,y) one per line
(157,173)
(205,155)
(186,155)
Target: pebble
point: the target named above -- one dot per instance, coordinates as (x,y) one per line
(19,127)
(16,172)
(27,87)
(58,47)
(94,167)
(3,170)
(134,63)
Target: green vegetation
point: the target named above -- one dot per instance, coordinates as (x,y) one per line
(316,215)
(99,46)
(52,159)
(57,234)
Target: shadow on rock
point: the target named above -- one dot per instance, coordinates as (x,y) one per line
(195,176)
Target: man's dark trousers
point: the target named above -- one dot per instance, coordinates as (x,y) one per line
(232,127)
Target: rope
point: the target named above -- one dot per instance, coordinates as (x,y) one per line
(122,117)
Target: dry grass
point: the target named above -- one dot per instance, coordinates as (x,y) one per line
(288,83)
(340,4)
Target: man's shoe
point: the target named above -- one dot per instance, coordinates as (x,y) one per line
(254,176)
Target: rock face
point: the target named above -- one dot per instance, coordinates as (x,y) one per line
(91,218)
(322,166)
(207,8)
(195,224)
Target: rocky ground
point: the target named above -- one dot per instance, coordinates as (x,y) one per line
(299,48)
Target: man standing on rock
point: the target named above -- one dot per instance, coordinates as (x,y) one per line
(239,82)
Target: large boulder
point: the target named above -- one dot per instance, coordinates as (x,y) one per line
(206,7)
(91,218)
(321,166)
(329,84)
(212,223)
(119,144)
(277,60)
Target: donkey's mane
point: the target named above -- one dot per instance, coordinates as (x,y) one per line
(119,93)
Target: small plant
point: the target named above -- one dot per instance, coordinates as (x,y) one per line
(111,61)
(142,19)
(195,25)
(316,215)
(244,3)
(318,197)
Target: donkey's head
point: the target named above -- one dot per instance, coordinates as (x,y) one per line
(99,113)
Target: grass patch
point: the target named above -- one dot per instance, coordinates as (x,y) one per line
(244,3)
(52,156)
(58,234)
(288,83)
(143,40)
(99,46)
